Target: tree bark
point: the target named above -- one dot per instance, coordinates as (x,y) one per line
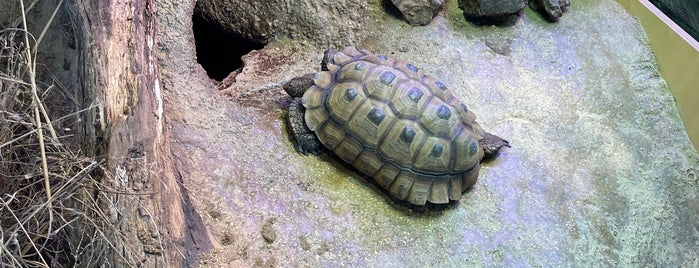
(122,80)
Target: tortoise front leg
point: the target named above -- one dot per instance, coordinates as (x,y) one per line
(306,140)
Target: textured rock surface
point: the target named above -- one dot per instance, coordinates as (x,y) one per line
(9,11)
(491,11)
(552,9)
(323,22)
(418,12)
(600,173)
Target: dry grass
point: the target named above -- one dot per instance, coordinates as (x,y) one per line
(54,212)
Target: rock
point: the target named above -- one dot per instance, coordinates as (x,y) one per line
(418,12)
(492,11)
(323,22)
(268,232)
(551,9)
(602,171)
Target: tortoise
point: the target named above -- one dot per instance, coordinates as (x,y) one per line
(391,122)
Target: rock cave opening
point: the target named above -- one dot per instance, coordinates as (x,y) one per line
(219,51)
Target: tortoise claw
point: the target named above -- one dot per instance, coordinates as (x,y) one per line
(492,145)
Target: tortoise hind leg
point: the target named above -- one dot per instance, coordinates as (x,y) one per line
(306,140)
(492,144)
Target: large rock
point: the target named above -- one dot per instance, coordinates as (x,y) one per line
(551,9)
(418,12)
(499,12)
(324,22)
(600,171)
(492,11)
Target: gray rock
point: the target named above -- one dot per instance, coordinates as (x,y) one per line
(492,11)
(323,22)
(601,171)
(551,9)
(418,12)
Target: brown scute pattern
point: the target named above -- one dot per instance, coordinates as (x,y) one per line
(396,124)
(362,127)
(331,134)
(406,103)
(398,150)
(439,193)
(386,175)
(348,149)
(400,188)
(368,163)
(343,108)
(433,123)
(427,157)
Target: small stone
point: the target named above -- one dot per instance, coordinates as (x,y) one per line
(268,232)
(305,245)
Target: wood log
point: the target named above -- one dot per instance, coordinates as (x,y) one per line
(120,77)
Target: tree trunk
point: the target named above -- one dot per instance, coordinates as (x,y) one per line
(122,80)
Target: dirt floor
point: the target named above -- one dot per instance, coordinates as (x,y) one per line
(600,171)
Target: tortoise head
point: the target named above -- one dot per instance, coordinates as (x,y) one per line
(298,85)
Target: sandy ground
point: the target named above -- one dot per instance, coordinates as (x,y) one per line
(600,173)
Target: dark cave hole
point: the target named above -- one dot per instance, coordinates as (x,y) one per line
(219,51)
(391,9)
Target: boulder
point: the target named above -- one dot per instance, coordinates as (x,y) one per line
(492,11)
(551,9)
(323,22)
(418,12)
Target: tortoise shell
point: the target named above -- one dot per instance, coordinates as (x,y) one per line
(395,124)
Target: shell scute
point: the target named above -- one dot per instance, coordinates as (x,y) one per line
(406,103)
(420,191)
(369,123)
(439,193)
(400,188)
(437,88)
(434,155)
(354,71)
(380,82)
(315,119)
(368,162)
(323,79)
(341,58)
(331,134)
(387,173)
(402,142)
(437,120)
(466,152)
(410,70)
(348,149)
(344,100)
